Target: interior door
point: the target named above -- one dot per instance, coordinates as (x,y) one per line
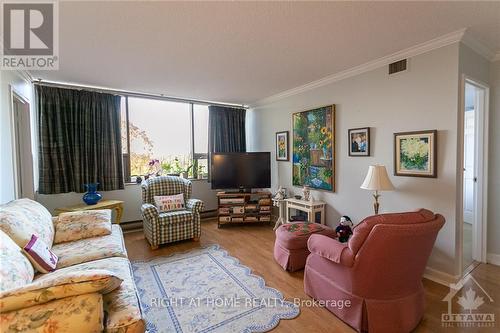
(23,152)
(469,174)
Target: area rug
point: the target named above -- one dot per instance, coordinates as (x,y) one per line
(206,290)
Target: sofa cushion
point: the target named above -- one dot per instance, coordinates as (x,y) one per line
(24,217)
(49,287)
(88,249)
(81,313)
(82,224)
(15,269)
(179,216)
(121,305)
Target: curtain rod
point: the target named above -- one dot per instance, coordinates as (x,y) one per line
(133,93)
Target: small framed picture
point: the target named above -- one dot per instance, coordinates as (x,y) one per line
(415,154)
(359,141)
(282,146)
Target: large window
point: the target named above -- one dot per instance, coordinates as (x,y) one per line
(163,137)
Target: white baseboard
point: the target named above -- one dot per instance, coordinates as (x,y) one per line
(440,277)
(493,258)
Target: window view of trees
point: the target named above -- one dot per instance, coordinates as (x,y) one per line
(162,137)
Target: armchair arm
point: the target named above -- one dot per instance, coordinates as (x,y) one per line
(55,286)
(195,205)
(149,211)
(330,249)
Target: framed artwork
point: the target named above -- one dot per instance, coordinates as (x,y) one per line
(313,153)
(282,146)
(359,141)
(415,154)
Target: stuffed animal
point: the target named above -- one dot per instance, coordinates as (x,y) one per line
(344,229)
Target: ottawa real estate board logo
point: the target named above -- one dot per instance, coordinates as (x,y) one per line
(467,305)
(30,35)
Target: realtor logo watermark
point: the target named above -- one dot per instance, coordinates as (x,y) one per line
(30,34)
(472,302)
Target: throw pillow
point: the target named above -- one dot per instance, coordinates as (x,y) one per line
(39,254)
(73,226)
(166,203)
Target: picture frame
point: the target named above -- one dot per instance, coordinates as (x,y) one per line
(415,154)
(282,146)
(358,140)
(313,152)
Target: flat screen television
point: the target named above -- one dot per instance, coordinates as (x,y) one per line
(241,171)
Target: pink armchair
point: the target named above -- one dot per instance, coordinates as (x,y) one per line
(379,271)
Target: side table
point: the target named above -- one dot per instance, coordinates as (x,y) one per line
(116,205)
(310,207)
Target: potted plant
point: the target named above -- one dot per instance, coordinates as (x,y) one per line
(200,171)
(185,173)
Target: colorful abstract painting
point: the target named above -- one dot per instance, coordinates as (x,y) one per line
(314,148)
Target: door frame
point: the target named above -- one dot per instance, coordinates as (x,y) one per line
(481,170)
(13,129)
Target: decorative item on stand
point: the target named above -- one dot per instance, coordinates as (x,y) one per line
(279,201)
(306,193)
(377,180)
(91,197)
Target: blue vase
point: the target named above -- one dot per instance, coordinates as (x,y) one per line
(92,196)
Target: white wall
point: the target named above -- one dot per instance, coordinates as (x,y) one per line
(10,80)
(494,164)
(425,97)
(131,195)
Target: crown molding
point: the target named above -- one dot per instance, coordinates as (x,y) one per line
(448,39)
(478,47)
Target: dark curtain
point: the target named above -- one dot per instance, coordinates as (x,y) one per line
(226,129)
(79,137)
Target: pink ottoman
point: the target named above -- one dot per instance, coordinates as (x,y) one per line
(290,247)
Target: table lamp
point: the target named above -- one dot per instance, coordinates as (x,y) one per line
(377,180)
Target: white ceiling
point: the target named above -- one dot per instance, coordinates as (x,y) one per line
(241,52)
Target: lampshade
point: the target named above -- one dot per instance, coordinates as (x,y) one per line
(377,179)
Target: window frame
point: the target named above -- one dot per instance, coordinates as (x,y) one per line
(195,157)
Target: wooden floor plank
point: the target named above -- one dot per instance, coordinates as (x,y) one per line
(253,246)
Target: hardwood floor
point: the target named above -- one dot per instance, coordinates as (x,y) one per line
(253,246)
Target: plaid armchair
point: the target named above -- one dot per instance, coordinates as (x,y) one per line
(168,227)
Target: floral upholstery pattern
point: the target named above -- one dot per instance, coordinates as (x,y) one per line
(82,224)
(162,228)
(303,228)
(24,217)
(15,269)
(88,249)
(57,286)
(83,313)
(121,305)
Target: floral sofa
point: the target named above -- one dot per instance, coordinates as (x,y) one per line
(91,290)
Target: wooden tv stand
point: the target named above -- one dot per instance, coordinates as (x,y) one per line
(237,207)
